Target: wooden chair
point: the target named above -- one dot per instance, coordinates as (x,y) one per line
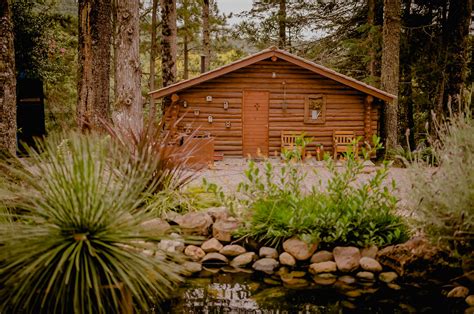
(342,140)
(288,141)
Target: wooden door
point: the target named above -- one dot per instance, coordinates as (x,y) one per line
(255,123)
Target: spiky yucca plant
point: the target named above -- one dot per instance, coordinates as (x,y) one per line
(75,244)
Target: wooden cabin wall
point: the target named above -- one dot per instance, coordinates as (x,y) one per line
(344,105)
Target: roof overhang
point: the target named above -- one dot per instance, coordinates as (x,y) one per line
(284,55)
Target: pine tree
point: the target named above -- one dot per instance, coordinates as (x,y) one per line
(168,42)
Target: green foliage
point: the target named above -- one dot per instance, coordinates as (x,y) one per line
(73,241)
(443,197)
(346,212)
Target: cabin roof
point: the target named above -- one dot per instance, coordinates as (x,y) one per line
(284,55)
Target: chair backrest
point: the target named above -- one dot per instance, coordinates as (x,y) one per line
(288,138)
(343,137)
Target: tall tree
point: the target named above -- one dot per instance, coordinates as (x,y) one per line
(371,23)
(128,100)
(456,35)
(95,33)
(7,82)
(206,40)
(153,49)
(282,24)
(168,41)
(189,18)
(390,68)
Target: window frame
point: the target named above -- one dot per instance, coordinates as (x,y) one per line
(322,115)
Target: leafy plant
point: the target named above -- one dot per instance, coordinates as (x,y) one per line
(443,197)
(78,245)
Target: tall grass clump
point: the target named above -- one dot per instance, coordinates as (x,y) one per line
(72,239)
(443,196)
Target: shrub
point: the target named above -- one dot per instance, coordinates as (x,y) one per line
(78,244)
(346,212)
(443,197)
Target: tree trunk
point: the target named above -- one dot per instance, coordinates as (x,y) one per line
(95,31)
(371,22)
(128,100)
(7,82)
(186,57)
(153,49)
(206,41)
(457,32)
(282,24)
(390,69)
(168,41)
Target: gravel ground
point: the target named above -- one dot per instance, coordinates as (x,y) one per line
(230,172)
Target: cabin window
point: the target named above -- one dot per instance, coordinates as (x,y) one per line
(315,109)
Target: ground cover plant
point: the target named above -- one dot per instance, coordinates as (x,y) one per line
(71,236)
(345,212)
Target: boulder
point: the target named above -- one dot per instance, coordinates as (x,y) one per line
(232,250)
(212,245)
(266,265)
(195,223)
(243,259)
(370,264)
(194,252)
(294,282)
(470,300)
(322,256)
(347,258)
(370,251)
(218,213)
(222,229)
(365,275)
(325,279)
(299,249)
(214,260)
(268,252)
(287,259)
(171,246)
(349,280)
(458,292)
(388,277)
(156,226)
(192,267)
(323,267)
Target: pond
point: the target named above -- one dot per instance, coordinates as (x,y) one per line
(246,293)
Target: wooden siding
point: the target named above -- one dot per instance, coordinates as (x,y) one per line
(344,105)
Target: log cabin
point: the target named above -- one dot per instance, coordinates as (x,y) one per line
(247,105)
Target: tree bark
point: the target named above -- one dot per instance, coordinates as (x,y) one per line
(168,41)
(206,41)
(390,69)
(456,34)
(128,100)
(153,49)
(186,57)
(95,31)
(371,22)
(7,82)
(282,24)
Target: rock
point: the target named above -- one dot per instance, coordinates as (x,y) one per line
(388,277)
(266,265)
(232,250)
(325,279)
(268,252)
(287,259)
(469,310)
(394,286)
(282,271)
(171,246)
(470,300)
(292,282)
(212,245)
(347,258)
(195,223)
(230,269)
(156,226)
(209,271)
(353,293)
(214,260)
(365,275)
(348,305)
(298,274)
(218,213)
(370,251)
(458,292)
(370,264)
(349,280)
(299,249)
(192,267)
(270,281)
(323,267)
(322,256)
(222,229)
(243,259)
(194,252)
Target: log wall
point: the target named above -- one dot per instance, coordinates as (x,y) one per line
(346,108)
